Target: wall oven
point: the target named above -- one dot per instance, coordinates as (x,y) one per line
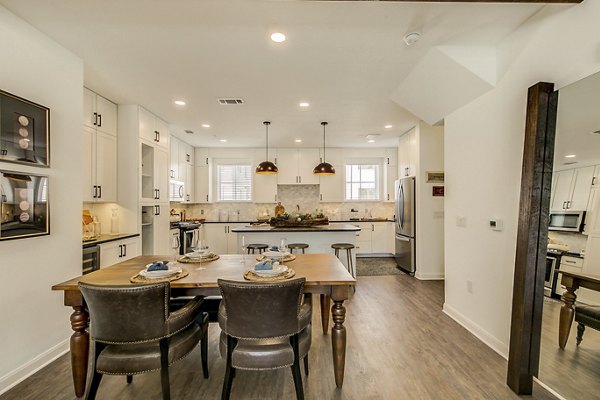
(569,221)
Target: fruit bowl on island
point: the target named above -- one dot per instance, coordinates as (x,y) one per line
(297,219)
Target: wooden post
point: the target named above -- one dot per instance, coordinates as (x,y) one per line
(532,238)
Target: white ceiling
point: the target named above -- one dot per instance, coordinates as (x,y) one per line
(346,59)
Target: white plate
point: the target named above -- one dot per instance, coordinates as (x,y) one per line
(160,273)
(277,270)
(275,254)
(198,254)
(194,256)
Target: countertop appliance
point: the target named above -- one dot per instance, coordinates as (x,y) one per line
(176,190)
(405,246)
(568,221)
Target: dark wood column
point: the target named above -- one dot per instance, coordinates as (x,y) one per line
(532,238)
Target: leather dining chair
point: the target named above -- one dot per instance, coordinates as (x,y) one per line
(264,326)
(132,331)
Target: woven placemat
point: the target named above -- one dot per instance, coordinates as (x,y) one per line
(137,278)
(251,276)
(289,257)
(187,260)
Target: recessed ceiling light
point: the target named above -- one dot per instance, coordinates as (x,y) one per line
(298,140)
(205,125)
(304,104)
(371,140)
(223,140)
(411,38)
(179,102)
(278,37)
(388,126)
(570,156)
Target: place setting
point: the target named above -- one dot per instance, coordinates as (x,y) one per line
(270,265)
(160,271)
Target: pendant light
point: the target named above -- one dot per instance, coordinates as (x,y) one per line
(266,167)
(324,168)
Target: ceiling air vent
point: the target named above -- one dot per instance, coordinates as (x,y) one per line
(230,102)
(189,132)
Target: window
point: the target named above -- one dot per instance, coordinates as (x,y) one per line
(362,182)
(234,182)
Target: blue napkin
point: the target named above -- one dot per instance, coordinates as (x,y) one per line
(264,265)
(274,248)
(158,266)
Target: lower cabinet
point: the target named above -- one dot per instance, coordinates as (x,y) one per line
(119,251)
(220,239)
(375,237)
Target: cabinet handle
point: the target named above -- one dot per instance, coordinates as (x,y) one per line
(564,205)
(207,198)
(321,197)
(388,161)
(100,191)
(172,174)
(156,136)
(100,119)
(569,204)
(187,157)
(300,179)
(593,181)
(158,194)
(124,250)
(206,160)
(188,197)
(95,196)
(388,196)
(120,250)
(95,119)
(372,228)
(570,262)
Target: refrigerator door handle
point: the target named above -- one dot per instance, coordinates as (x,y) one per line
(401,206)
(403,238)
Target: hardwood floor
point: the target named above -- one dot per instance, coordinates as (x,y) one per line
(575,371)
(400,346)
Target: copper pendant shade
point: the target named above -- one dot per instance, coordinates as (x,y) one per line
(266,167)
(324,168)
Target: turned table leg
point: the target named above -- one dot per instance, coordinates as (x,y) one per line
(566,316)
(338,341)
(80,344)
(325,304)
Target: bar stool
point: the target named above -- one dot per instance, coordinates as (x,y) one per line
(348,247)
(297,246)
(257,246)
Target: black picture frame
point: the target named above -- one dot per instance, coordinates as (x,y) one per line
(24,131)
(24,205)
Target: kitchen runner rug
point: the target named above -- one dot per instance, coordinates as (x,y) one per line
(374,266)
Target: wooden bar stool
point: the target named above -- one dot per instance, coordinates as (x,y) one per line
(257,246)
(348,247)
(297,246)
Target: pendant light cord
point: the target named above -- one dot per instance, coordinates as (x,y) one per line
(267,123)
(324,124)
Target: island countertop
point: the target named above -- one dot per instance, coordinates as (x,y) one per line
(316,228)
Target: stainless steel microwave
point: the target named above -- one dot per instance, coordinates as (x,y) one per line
(569,221)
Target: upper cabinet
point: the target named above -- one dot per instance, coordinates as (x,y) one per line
(264,187)
(407,156)
(331,187)
(571,189)
(296,166)
(181,169)
(153,129)
(390,171)
(99,148)
(202,176)
(99,113)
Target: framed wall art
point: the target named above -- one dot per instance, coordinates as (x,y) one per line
(24,131)
(24,210)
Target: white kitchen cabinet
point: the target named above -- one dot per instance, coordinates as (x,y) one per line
(153,129)
(118,251)
(375,237)
(363,237)
(296,166)
(380,237)
(186,154)
(407,154)
(596,176)
(264,186)
(390,177)
(571,189)
(155,229)
(220,239)
(99,113)
(331,187)
(154,174)
(201,157)
(100,166)
(202,184)
(174,159)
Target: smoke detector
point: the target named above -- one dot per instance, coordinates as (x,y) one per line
(411,38)
(189,132)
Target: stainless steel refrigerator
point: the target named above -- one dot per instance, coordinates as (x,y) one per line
(405,224)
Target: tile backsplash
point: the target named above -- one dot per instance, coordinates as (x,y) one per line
(291,196)
(575,241)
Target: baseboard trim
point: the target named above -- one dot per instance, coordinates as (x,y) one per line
(18,375)
(549,389)
(480,333)
(436,276)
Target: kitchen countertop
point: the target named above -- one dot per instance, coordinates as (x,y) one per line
(316,228)
(331,221)
(108,238)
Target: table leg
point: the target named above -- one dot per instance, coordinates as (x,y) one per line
(338,341)
(80,345)
(566,316)
(325,304)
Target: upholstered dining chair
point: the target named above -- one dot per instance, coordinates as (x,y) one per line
(132,331)
(264,326)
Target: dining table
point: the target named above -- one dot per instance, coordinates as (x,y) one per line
(324,273)
(572,281)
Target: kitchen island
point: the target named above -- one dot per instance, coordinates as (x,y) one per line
(319,238)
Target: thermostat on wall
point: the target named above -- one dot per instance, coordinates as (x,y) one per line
(496,224)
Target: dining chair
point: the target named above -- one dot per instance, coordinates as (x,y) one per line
(264,326)
(133,331)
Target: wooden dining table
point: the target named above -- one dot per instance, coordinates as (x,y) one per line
(572,281)
(324,273)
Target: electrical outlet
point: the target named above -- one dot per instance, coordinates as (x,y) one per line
(470,286)
(201,212)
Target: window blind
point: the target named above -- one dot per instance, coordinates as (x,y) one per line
(234,182)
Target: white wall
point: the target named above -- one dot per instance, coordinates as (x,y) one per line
(430,209)
(483,150)
(35,324)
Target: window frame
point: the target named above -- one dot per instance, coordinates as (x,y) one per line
(217,164)
(377,163)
